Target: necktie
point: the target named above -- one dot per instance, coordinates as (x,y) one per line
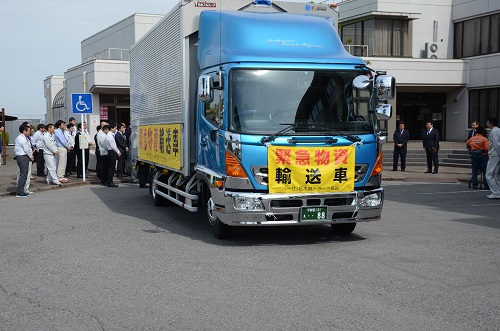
(428,131)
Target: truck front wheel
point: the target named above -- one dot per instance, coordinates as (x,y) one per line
(221,230)
(343,229)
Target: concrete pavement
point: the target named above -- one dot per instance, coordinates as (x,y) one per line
(415,174)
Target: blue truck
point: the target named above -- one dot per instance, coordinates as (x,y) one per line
(253,114)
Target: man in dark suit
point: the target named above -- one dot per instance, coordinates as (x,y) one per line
(400,137)
(121,143)
(472,132)
(431,145)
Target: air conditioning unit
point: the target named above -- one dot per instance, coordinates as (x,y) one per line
(435,50)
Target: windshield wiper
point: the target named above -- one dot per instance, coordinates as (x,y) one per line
(297,127)
(274,135)
(331,131)
(349,137)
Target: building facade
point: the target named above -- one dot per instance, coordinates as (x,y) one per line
(104,72)
(444,54)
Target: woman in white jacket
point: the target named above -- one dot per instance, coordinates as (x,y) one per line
(49,154)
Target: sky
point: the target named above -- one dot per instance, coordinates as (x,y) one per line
(39,38)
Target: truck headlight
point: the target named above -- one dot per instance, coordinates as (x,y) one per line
(371,200)
(246,203)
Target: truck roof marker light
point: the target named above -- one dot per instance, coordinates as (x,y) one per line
(377,168)
(233,166)
(262,3)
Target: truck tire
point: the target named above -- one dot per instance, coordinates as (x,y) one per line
(158,201)
(343,229)
(221,230)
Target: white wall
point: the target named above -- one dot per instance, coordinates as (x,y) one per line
(485,71)
(51,86)
(422,72)
(119,35)
(463,9)
(457,105)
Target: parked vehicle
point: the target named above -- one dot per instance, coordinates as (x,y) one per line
(254,113)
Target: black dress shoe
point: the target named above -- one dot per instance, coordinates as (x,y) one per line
(112,185)
(144,186)
(428,172)
(394,170)
(403,170)
(435,172)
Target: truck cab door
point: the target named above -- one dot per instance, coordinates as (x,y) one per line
(210,135)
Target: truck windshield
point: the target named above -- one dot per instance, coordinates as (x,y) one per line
(265,101)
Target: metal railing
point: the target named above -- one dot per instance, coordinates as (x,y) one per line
(110,54)
(357,50)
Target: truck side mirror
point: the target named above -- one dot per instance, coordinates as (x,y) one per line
(383,111)
(385,87)
(382,136)
(205,88)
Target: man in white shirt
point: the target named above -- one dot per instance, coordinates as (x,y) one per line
(70,137)
(36,141)
(24,155)
(113,154)
(49,154)
(63,148)
(103,150)
(85,132)
(493,168)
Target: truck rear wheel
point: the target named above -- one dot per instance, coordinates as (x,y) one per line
(221,230)
(158,200)
(343,229)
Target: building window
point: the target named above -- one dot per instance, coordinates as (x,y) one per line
(484,103)
(478,36)
(384,37)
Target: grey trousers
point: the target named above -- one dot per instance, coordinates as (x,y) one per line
(492,176)
(23,162)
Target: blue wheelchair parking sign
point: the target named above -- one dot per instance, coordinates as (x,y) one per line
(82,103)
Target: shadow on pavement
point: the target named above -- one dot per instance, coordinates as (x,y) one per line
(195,226)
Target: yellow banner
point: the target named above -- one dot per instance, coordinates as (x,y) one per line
(161,144)
(311,169)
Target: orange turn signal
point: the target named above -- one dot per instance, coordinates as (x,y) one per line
(377,169)
(233,167)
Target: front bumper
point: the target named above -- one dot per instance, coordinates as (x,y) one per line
(285,209)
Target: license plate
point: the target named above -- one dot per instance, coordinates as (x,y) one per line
(313,213)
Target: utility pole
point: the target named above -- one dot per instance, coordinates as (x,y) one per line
(81,123)
(4,143)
